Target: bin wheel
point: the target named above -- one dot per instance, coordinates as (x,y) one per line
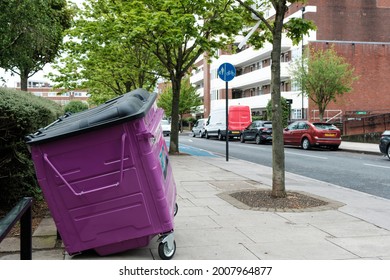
(176,209)
(165,252)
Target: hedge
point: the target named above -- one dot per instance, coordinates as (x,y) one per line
(21,113)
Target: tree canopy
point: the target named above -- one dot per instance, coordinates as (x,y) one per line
(31,34)
(178,32)
(189,99)
(323,75)
(175,33)
(102,58)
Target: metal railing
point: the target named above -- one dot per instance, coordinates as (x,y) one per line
(22,211)
(330,115)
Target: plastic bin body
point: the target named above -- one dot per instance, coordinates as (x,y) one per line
(111,188)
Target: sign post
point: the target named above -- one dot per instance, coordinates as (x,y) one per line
(227,72)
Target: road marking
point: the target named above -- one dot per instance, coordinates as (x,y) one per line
(297,154)
(374,165)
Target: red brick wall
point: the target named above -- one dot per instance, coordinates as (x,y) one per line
(371,92)
(350,20)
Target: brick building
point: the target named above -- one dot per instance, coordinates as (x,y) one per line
(359,31)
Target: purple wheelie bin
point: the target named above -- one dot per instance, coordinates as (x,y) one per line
(106,176)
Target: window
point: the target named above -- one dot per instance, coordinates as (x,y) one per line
(296,114)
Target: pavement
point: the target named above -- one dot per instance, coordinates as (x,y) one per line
(211,225)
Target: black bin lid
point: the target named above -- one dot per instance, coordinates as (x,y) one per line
(130,106)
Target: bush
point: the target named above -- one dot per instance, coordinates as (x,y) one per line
(21,113)
(75,106)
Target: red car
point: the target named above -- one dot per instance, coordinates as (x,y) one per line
(307,135)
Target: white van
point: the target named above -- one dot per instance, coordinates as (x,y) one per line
(239,118)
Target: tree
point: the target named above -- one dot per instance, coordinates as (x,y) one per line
(75,106)
(177,32)
(324,76)
(103,60)
(271,30)
(31,35)
(189,99)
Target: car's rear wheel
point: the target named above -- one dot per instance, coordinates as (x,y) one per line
(388,151)
(258,139)
(200,134)
(242,140)
(220,137)
(207,135)
(193,134)
(306,144)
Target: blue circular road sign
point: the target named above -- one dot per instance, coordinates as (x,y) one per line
(226,72)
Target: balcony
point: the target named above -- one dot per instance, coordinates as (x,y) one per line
(258,77)
(197,78)
(250,55)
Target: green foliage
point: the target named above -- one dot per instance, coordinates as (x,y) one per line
(21,113)
(75,106)
(31,34)
(189,99)
(297,27)
(177,33)
(285,111)
(102,58)
(323,75)
(294,28)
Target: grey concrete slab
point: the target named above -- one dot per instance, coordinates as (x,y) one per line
(319,217)
(195,211)
(185,202)
(195,222)
(205,194)
(290,250)
(365,247)
(205,201)
(356,228)
(10,244)
(210,237)
(44,242)
(256,219)
(213,252)
(46,228)
(283,232)
(54,254)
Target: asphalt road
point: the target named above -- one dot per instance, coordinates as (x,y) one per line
(362,172)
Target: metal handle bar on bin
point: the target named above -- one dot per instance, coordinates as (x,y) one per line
(98,189)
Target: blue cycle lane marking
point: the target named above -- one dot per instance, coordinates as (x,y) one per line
(193,151)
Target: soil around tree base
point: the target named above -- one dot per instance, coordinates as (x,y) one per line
(261,200)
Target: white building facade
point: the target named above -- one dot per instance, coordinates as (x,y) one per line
(252,84)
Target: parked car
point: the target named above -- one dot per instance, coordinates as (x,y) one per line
(384,144)
(199,128)
(307,135)
(258,131)
(166,127)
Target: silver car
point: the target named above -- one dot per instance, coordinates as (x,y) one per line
(199,128)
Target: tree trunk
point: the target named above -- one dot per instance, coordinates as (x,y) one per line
(23,80)
(278,167)
(174,139)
